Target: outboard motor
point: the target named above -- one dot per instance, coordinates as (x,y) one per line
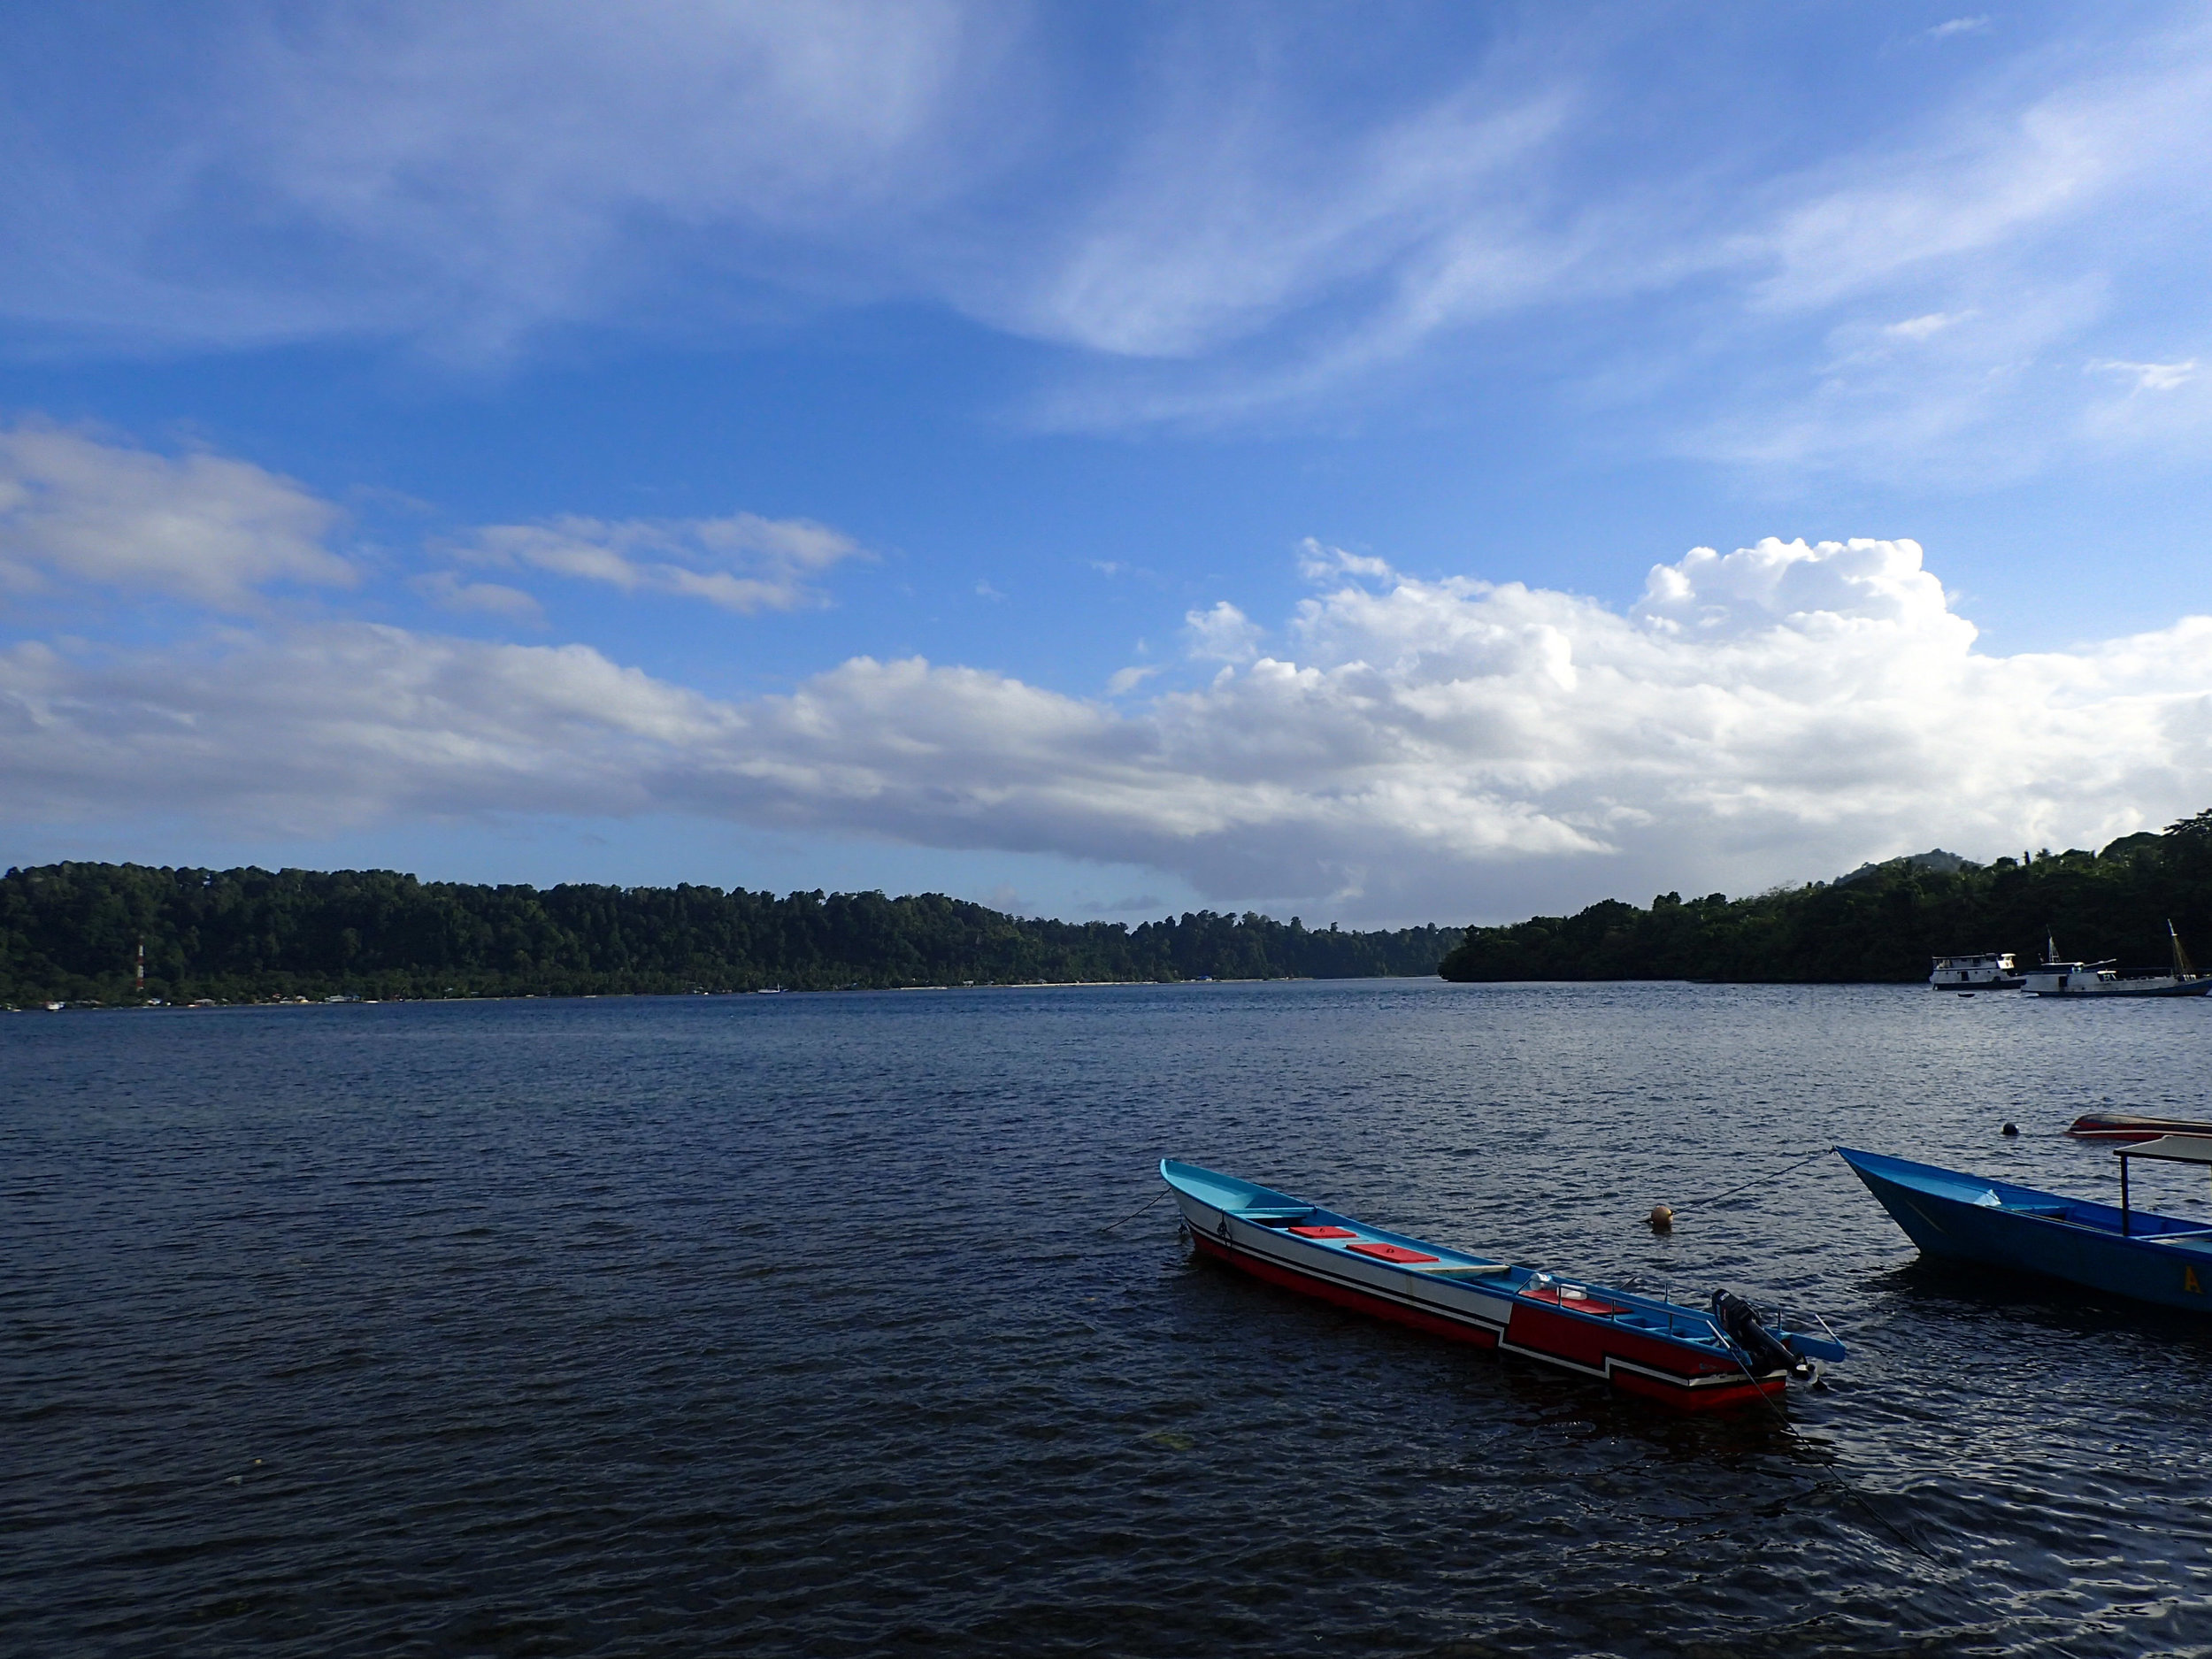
(1734,1315)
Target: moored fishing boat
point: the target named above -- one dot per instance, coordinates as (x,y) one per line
(2052,977)
(2129,1252)
(1691,1358)
(1983,970)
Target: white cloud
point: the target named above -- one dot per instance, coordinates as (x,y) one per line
(1437,749)
(743,563)
(1932,408)
(464,175)
(449,592)
(1776,582)
(1201,207)
(77,511)
(1223,634)
(74,510)
(1319,562)
(1922,327)
(1232,211)
(2148,377)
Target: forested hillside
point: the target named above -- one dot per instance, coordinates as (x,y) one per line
(1881,924)
(71,932)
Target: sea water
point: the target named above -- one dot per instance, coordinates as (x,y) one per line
(831,1325)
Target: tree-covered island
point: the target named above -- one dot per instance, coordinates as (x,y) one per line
(1879,924)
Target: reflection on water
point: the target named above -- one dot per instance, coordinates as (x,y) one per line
(787,1325)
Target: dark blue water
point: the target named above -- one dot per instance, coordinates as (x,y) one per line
(786,1326)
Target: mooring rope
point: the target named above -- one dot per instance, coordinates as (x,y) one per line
(1758,1180)
(1140,1209)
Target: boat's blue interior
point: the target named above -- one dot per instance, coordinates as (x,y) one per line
(1248,1201)
(2015,1200)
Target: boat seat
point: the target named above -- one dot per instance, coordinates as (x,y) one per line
(1396,1253)
(1324,1233)
(1460,1270)
(1574,1300)
(1274,1217)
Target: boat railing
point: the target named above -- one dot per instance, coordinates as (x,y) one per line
(1643,1311)
(2168,1148)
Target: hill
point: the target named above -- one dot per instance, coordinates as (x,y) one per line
(1879,924)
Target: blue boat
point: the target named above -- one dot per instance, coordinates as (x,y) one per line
(1690,1358)
(2118,1249)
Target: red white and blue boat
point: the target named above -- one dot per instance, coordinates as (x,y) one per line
(1691,1358)
(2129,1127)
(2121,1249)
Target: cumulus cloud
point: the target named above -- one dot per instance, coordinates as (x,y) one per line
(76,510)
(1222,633)
(1428,750)
(743,563)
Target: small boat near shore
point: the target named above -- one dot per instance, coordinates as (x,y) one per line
(1687,1357)
(2128,1252)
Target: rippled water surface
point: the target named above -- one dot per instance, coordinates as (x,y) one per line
(786,1325)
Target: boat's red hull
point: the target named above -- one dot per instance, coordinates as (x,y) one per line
(2124,1127)
(1645,1366)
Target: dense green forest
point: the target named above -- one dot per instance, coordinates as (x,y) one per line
(72,932)
(1882,924)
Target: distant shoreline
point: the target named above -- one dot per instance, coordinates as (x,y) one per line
(119,934)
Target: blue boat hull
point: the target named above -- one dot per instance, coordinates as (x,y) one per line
(1999,1225)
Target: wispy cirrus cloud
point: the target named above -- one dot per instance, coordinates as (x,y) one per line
(743,563)
(448,591)
(464,178)
(1216,222)
(2148,377)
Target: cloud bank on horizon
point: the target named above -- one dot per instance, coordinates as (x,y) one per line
(1397,748)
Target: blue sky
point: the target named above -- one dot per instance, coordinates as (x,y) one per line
(1103,460)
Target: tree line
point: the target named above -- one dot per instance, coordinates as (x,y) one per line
(71,933)
(1880,924)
